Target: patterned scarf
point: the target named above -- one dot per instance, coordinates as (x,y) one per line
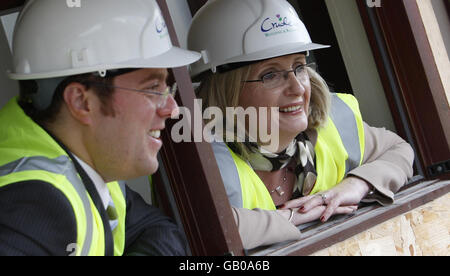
(301,149)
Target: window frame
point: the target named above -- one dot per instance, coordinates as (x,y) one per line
(409,76)
(392,17)
(195,179)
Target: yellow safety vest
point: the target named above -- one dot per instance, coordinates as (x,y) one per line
(27,153)
(339,149)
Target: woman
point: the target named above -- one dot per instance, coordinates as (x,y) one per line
(327,160)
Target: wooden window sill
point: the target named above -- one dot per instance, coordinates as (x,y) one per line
(320,236)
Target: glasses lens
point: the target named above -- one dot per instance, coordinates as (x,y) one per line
(173,90)
(313,66)
(301,72)
(170,91)
(272,80)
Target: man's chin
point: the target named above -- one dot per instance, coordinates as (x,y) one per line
(153,168)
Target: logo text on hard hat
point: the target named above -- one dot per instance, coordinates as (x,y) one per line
(161,27)
(277,25)
(73,3)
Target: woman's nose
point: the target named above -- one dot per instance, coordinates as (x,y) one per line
(296,86)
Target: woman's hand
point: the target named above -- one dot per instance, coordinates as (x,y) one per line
(347,193)
(314,213)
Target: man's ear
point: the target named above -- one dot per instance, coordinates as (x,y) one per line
(79,102)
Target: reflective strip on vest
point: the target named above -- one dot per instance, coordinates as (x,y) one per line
(229,173)
(243,186)
(62,166)
(348,130)
(122,185)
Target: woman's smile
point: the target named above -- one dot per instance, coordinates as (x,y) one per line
(293,109)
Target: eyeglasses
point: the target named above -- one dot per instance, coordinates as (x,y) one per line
(161,97)
(275,79)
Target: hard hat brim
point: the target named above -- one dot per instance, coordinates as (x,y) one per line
(173,58)
(287,49)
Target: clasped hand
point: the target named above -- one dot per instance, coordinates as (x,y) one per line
(342,199)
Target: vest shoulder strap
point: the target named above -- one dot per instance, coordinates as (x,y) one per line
(61,166)
(229,173)
(347,118)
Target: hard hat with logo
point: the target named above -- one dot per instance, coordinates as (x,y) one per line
(236,31)
(54,39)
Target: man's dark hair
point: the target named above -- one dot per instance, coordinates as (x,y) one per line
(101,87)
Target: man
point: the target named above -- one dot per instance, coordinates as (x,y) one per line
(93,101)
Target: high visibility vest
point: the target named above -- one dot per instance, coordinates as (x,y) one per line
(339,149)
(28,153)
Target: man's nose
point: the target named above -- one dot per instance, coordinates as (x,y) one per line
(170,109)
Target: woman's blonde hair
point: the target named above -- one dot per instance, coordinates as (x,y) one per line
(223,90)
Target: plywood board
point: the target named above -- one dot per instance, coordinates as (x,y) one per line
(421,232)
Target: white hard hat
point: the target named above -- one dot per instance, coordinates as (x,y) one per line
(234,31)
(54,38)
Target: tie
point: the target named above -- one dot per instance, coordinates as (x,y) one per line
(112,215)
